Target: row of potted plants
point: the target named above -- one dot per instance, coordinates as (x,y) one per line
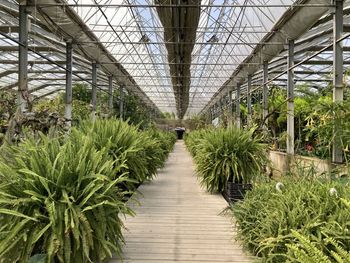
(62,197)
(315,117)
(302,218)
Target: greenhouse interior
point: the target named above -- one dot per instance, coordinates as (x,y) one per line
(174,131)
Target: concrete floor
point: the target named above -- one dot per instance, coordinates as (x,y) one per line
(177,221)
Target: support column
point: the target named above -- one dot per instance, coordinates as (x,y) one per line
(69,75)
(290,98)
(214,111)
(121,102)
(238,106)
(110,94)
(23,94)
(265,91)
(229,106)
(249,101)
(338,67)
(94,91)
(223,108)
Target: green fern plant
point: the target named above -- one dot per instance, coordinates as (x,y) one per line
(124,144)
(306,251)
(228,155)
(266,216)
(141,153)
(62,200)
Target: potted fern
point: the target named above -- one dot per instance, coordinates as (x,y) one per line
(228,160)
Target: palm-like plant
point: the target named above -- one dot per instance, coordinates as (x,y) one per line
(124,144)
(267,216)
(229,155)
(193,139)
(157,146)
(61,200)
(142,153)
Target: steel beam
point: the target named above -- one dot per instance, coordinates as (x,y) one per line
(338,90)
(110,94)
(265,90)
(23,57)
(121,102)
(69,78)
(229,106)
(290,97)
(94,91)
(249,100)
(238,106)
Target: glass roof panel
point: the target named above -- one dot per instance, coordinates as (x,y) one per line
(227,33)
(131,30)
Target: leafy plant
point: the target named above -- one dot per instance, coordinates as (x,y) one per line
(157,146)
(267,216)
(228,155)
(140,152)
(61,200)
(193,139)
(81,109)
(306,251)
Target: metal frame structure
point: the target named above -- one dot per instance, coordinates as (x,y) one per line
(148,48)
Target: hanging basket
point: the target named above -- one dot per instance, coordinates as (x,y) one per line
(234,192)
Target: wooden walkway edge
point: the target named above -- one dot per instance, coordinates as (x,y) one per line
(177,221)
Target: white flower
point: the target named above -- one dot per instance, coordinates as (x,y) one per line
(333,191)
(279,187)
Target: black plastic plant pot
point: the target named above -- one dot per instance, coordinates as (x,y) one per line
(180,133)
(234,192)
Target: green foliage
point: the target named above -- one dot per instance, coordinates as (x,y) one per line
(81,92)
(278,108)
(193,139)
(168,115)
(134,110)
(228,155)
(8,108)
(80,109)
(157,145)
(267,217)
(140,152)
(315,117)
(196,122)
(306,251)
(320,125)
(60,198)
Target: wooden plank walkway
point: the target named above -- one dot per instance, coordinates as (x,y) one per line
(177,221)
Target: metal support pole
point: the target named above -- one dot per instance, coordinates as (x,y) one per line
(69,76)
(238,107)
(338,90)
(229,107)
(23,94)
(210,114)
(214,111)
(290,97)
(223,107)
(249,101)
(121,102)
(110,94)
(94,91)
(265,91)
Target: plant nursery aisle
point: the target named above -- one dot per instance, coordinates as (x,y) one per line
(177,221)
